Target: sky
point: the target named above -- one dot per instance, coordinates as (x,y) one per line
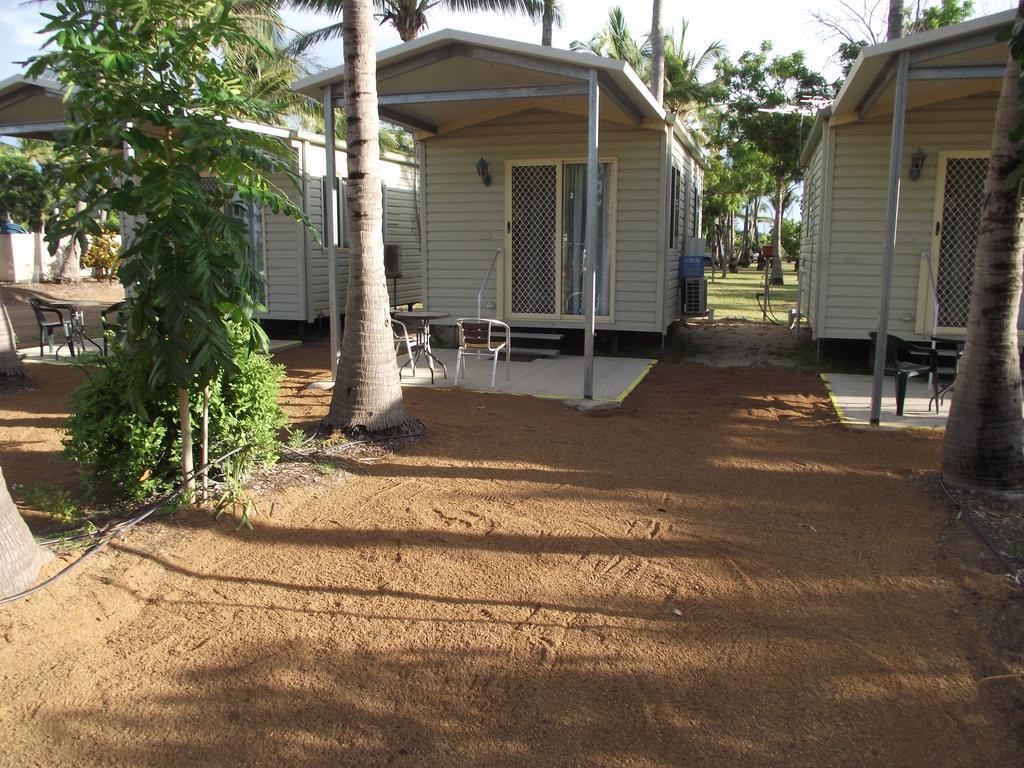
(740,24)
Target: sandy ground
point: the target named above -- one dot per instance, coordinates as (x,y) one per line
(717,574)
(91,295)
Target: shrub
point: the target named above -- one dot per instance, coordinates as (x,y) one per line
(129,449)
(104,254)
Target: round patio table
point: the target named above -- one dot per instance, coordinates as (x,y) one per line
(420,319)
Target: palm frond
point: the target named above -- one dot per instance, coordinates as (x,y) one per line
(304,41)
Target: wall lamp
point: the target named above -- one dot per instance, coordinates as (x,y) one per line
(481,170)
(916,164)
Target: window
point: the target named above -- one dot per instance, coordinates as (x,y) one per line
(695,203)
(675,196)
(340,220)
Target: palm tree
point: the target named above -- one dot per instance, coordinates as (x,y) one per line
(551,17)
(409,17)
(615,41)
(367,392)
(20,556)
(657,38)
(684,92)
(10,363)
(894,25)
(985,431)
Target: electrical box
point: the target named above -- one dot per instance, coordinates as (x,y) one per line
(392,261)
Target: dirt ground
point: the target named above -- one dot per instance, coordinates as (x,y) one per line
(717,574)
(92,296)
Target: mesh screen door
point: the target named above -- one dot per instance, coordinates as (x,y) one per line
(962,198)
(534,236)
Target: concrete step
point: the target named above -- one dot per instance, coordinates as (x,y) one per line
(536,336)
(533,351)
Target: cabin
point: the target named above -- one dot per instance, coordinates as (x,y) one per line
(933,97)
(503,132)
(292,260)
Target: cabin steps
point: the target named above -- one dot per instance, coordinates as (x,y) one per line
(531,344)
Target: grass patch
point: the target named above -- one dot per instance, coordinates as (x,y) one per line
(736,294)
(49,500)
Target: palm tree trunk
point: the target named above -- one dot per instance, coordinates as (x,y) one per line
(10,363)
(367,394)
(20,556)
(777,278)
(985,431)
(657,53)
(547,22)
(894,29)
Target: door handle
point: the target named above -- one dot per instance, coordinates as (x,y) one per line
(508,227)
(938,228)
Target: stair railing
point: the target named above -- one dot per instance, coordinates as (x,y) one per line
(483,285)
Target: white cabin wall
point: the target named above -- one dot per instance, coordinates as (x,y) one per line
(857,215)
(465,220)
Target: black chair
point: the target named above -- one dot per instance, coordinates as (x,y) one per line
(114,325)
(54,317)
(897,351)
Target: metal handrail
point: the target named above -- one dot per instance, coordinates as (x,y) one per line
(483,285)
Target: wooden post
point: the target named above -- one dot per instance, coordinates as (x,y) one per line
(590,249)
(899,114)
(327,214)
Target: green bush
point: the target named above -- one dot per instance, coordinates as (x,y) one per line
(130,450)
(103,256)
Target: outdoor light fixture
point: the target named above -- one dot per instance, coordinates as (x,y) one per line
(916,164)
(481,171)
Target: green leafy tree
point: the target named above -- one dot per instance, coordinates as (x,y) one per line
(764,98)
(145,75)
(22,191)
(984,441)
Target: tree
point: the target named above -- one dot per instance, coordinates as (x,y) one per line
(984,442)
(22,191)
(20,556)
(686,92)
(894,21)
(145,74)
(409,17)
(615,41)
(551,16)
(764,99)
(856,27)
(11,367)
(367,395)
(657,38)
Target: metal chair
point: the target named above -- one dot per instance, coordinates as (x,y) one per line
(477,336)
(401,336)
(114,330)
(51,317)
(896,364)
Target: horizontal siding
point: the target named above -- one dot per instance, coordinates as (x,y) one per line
(283,244)
(813,203)
(466,221)
(402,229)
(858,212)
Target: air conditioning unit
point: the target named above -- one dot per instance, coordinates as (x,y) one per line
(694,300)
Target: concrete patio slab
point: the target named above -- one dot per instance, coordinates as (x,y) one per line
(558,378)
(851,397)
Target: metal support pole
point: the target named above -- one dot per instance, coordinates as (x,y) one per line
(590,248)
(899,115)
(329,206)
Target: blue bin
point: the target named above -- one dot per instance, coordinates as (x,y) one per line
(691,266)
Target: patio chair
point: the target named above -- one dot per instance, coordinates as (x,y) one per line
(402,336)
(477,336)
(53,317)
(113,323)
(897,351)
